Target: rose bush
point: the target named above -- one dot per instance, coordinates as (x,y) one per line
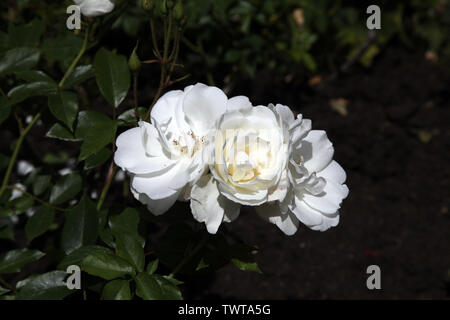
(71,113)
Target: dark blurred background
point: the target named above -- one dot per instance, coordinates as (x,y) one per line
(383,99)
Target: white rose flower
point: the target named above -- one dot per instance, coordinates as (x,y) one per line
(95,8)
(264,157)
(165,157)
(250,156)
(316,187)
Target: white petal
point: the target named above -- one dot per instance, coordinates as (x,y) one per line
(285,113)
(24,167)
(299,129)
(164,109)
(204,105)
(317,151)
(313,218)
(157,207)
(232,212)
(94,8)
(287,222)
(329,201)
(333,172)
(131,156)
(238,103)
(250,198)
(209,206)
(158,186)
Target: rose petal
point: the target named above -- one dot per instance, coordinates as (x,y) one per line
(285,113)
(164,109)
(94,8)
(334,172)
(313,218)
(158,186)
(209,206)
(157,207)
(329,201)
(131,156)
(202,106)
(287,222)
(238,103)
(317,151)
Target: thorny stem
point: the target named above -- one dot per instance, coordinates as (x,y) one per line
(77,59)
(16,152)
(165,59)
(155,42)
(45,203)
(188,257)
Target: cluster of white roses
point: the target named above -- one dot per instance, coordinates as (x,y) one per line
(221,153)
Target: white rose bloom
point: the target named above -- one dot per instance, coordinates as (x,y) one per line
(165,157)
(264,157)
(95,8)
(316,187)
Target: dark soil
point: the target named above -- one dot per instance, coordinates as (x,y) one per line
(397,214)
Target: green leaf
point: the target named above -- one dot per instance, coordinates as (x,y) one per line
(96,130)
(3,291)
(156,287)
(129,118)
(34,76)
(117,290)
(5,109)
(173,280)
(39,222)
(105,234)
(127,222)
(58,131)
(41,183)
(20,284)
(18,59)
(76,256)
(97,159)
(48,286)
(26,35)
(81,226)
(66,188)
(112,75)
(7,233)
(63,48)
(15,260)
(79,75)
(106,265)
(129,248)
(17,206)
(55,158)
(64,106)
(152,266)
(242,257)
(29,90)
